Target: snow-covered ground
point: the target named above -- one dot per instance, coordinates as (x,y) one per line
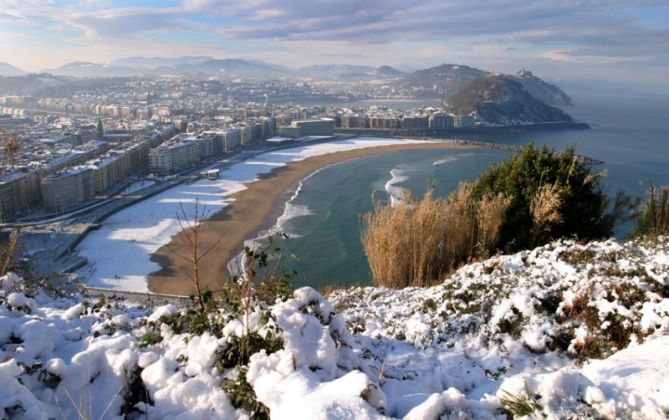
(137,186)
(119,253)
(572,331)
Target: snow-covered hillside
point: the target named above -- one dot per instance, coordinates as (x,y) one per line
(563,331)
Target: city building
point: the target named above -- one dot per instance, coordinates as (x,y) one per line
(465,121)
(232,139)
(320,127)
(19,191)
(354,121)
(119,164)
(173,156)
(415,122)
(441,121)
(67,190)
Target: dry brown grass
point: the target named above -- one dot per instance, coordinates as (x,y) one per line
(8,252)
(545,210)
(491,212)
(416,242)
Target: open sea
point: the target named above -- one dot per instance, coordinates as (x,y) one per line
(629,133)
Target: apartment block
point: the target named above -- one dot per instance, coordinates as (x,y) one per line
(67,190)
(173,156)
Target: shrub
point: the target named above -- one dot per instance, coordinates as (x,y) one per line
(553,195)
(414,243)
(521,404)
(243,396)
(654,216)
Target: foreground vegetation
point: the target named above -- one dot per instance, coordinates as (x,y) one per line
(564,331)
(653,220)
(418,241)
(534,197)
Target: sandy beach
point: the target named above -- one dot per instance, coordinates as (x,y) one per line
(245,216)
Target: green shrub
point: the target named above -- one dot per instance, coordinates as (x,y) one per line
(243,396)
(552,195)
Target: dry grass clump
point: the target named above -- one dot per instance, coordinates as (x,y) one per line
(545,210)
(416,242)
(654,216)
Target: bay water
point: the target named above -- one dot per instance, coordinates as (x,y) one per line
(323,220)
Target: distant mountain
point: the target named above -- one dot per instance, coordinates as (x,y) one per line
(155,62)
(501,99)
(230,68)
(387,71)
(541,90)
(444,79)
(7,69)
(349,72)
(30,84)
(436,82)
(186,66)
(333,70)
(87,69)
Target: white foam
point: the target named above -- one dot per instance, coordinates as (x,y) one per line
(444,160)
(396,194)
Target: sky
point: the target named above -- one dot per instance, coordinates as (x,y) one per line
(609,40)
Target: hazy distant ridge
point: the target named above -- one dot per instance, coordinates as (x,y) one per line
(7,69)
(442,81)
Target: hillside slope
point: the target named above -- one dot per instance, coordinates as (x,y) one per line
(543,91)
(574,330)
(499,99)
(445,79)
(7,69)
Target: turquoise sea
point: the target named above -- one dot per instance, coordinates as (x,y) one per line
(629,133)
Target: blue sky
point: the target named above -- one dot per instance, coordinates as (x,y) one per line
(560,39)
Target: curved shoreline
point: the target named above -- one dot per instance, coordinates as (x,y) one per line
(248,214)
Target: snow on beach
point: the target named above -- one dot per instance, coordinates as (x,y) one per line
(579,331)
(119,253)
(137,186)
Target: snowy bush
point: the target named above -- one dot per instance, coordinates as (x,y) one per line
(558,306)
(565,330)
(75,359)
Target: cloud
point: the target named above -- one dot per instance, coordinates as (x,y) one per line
(495,33)
(125,22)
(592,26)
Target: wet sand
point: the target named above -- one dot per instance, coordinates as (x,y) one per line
(248,213)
